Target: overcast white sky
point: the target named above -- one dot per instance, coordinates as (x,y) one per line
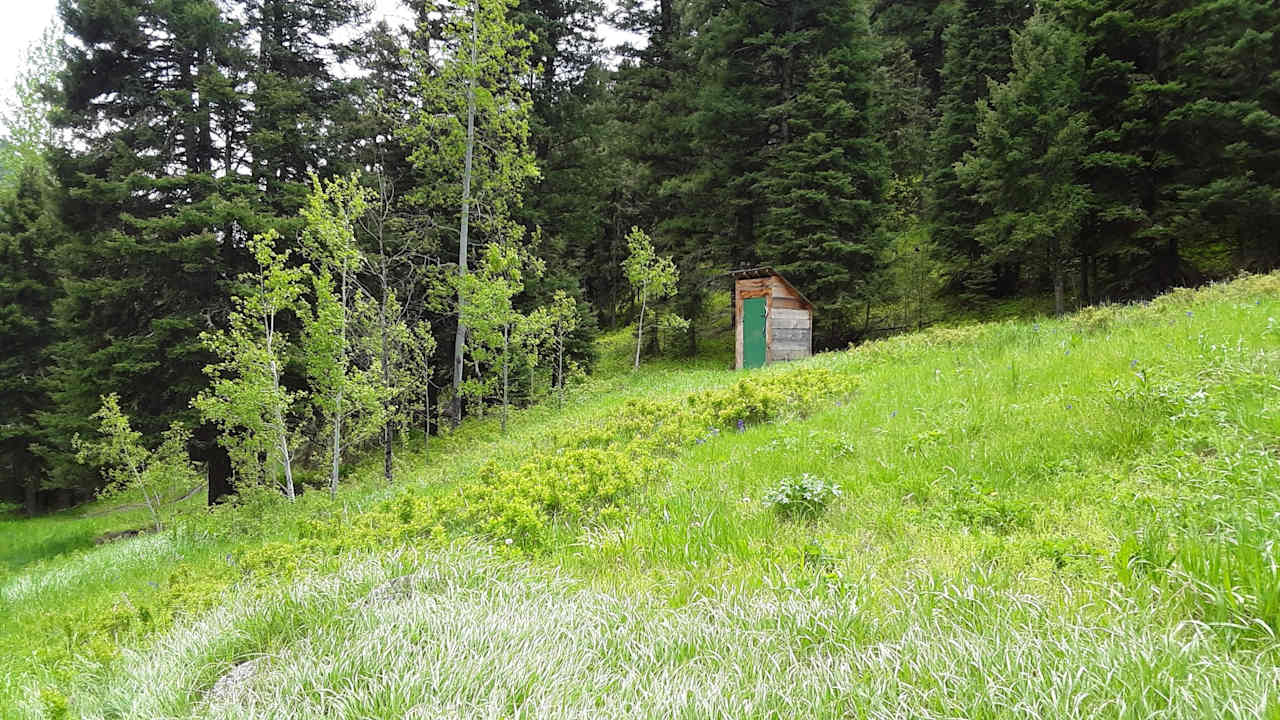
(22,24)
(24,20)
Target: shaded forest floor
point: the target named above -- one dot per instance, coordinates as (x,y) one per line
(1052,518)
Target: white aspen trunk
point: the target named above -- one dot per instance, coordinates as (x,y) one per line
(337,448)
(385,352)
(137,479)
(337,401)
(644,298)
(560,367)
(506,369)
(282,436)
(285,460)
(460,338)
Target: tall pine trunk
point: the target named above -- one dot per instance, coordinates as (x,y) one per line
(32,499)
(1059,300)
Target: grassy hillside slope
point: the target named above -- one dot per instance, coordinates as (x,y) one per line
(1063,518)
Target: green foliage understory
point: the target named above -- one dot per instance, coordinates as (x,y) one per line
(1066,518)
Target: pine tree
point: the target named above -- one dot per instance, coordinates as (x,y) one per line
(680,168)
(1027,158)
(298,103)
(150,212)
(788,143)
(823,181)
(1182,160)
(917,25)
(29,230)
(567,133)
(1225,133)
(976,49)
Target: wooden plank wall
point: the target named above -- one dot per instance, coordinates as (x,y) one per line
(790,325)
(789,329)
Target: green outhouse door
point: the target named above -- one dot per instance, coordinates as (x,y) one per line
(753,322)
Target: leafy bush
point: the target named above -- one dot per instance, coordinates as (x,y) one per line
(804,496)
(1096,318)
(982,511)
(660,427)
(514,507)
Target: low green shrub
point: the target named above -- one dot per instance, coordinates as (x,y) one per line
(512,507)
(54,703)
(661,427)
(995,514)
(1096,318)
(517,506)
(803,496)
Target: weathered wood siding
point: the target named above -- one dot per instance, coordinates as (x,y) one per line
(791,334)
(789,328)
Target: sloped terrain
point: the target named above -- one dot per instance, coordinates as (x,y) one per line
(1062,518)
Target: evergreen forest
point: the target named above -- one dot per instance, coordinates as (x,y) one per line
(273,235)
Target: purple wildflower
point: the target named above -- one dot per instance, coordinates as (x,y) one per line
(742,425)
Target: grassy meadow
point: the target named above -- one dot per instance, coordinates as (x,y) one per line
(1072,518)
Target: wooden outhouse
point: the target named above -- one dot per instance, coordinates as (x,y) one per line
(773,322)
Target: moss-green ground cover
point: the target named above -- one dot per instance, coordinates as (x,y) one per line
(1062,518)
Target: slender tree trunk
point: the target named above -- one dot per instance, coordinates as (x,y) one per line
(218,473)
(337,400)
(460,338)
(137,479)
(31,501)
(285,460)
(560,368)
(337,449)
(385,352)
(640,325)
(1059,301)
(282,436)
(1086,288)
(506,369)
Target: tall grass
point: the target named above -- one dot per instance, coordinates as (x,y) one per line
(463,635)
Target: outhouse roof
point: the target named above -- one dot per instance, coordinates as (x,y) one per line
(766,271)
